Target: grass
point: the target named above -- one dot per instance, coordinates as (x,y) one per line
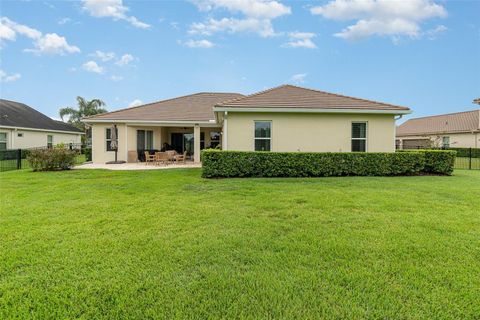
(169,244)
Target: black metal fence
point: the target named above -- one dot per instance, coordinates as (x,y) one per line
(467,158)
(16,159)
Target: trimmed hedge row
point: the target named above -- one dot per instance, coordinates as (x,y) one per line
(223,164)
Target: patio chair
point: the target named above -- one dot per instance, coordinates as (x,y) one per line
(149,158)
(161,157)
(171,155)
(181,157)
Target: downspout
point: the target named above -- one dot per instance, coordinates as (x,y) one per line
(398,117)
(225,131)
(126,142)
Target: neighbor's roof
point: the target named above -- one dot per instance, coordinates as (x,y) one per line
(288,96)
(467,121)
(194,107)
(15,114)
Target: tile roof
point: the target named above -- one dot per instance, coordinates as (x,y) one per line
(288,96)
(194,107)
(467,121)
(15,114)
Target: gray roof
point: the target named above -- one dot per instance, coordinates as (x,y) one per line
(15,114)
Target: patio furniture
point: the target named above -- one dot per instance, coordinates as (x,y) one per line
(132,156)
(161,157)
(149,158)
(181,157)
(171,155)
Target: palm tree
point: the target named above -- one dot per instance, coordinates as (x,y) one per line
(86,108)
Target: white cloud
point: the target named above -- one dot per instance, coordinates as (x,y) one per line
(380,17)
(199,44)
(4,77)
(116,78)
(50,43)
(104,56)
(112,9)
(135,103)
(298,78)
(125,59)
(64,21)
(433,33)
(258,16)
(301,40)
(92,66)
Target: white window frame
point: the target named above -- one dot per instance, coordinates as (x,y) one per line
(145,138)
(48,136)
(366,135)
(262,138)
(107,140)
(443,141)
(6,140)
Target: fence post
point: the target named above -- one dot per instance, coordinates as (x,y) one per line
(19,159)
(470,160)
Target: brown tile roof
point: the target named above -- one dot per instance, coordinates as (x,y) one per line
(194,107)
(467,121)
(288,96)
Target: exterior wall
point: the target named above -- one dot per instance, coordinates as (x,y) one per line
(33,139)
(314,132)
(457,140)
(127,139)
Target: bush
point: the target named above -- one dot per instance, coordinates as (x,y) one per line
(439,161)
(51,159)
(320,164)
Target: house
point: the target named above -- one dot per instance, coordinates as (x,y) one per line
(286,118)
(459,130)
(23,127)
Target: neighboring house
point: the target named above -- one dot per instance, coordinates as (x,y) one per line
(459,130)
(285,118)
(23,127)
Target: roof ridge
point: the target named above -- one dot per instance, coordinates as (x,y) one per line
(150,103)
(444,114)
(344,96)
(253,94)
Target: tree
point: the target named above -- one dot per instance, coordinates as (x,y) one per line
(85,108)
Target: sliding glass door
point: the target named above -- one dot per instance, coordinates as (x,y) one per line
(144,139)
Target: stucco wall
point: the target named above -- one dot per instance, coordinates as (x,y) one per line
(457,140)
(311,132)
(33,139)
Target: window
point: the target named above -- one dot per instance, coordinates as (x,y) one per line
(3,141)
(446,142)
(108,136)
(263,135)
(49,141)
(359,136)
(144,139)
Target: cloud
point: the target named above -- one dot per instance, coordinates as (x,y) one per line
(50,43)
(112,9)
(258,16)
(135,103)
(380,17)
(104,56)
(298,78)
(125,60)
(116,78)
(92,66)
(432,34)
(199,44)
(301,40)
(4,77)
(64,21)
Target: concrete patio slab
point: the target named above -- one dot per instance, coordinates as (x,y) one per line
(137,166)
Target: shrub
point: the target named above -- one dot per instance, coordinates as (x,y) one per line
(51,159)
(439,161)
(314,164)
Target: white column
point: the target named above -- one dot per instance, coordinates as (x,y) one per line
(196,143)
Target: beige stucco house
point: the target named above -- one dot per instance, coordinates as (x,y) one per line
(22,127)
(458,130)
(286,118)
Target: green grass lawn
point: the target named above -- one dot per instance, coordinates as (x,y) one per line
(169,244)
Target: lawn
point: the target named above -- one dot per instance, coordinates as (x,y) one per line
(169,244)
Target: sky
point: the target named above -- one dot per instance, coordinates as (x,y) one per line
(424,54)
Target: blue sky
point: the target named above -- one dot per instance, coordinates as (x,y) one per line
(419,53)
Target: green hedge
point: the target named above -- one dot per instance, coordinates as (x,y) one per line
(57,158)
(465,152)
(323,164)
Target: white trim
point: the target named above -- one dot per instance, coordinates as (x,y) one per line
(225,130)
(263,138)
(126,142)
(310,110)
(167,123)
(43,130)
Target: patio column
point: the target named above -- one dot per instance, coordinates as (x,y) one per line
(196,143)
